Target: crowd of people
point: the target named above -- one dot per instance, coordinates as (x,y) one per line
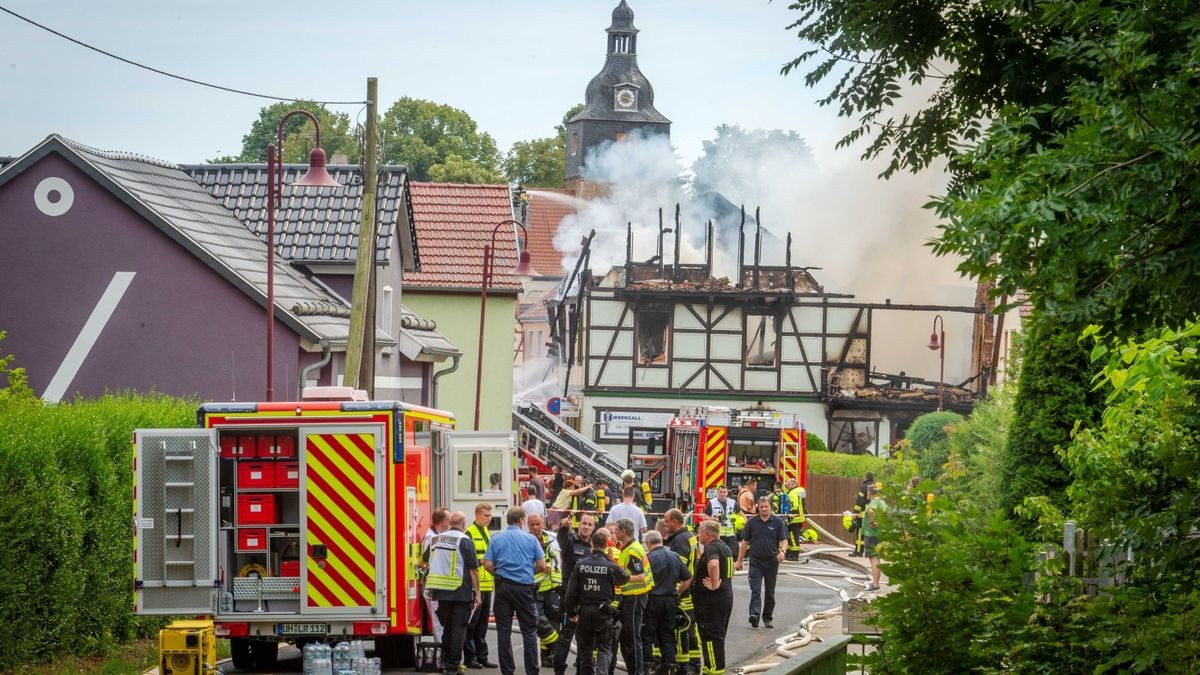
(570,567)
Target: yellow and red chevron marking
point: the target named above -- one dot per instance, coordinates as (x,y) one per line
(340,480)
(789,454)
(713,456)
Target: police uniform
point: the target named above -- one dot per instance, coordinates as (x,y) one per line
(475,649)
(714,607)
(549,603)
(632,605)
(658,630)
(573,550)
(687,636)
(725,515)
(590,593)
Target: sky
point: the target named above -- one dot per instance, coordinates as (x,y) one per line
(515,66)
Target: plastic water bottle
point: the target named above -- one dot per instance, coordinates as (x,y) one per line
(356,650)
(341,657)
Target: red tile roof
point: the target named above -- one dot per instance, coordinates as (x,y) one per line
(546,211)
(454,222)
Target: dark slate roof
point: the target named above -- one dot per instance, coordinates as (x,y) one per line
(620,69)
(170,199)
(316,225)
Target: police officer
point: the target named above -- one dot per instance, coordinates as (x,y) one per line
(453,580)
(546,597)
(682,543)
(475,649)
(632,595)
(723,508)
(713,596)
(590,593)
(672,579)
(574,546)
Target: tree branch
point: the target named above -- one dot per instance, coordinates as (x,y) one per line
(1109,169)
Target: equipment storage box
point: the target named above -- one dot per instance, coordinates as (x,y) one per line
(289,568)
(278,447)
(237,447)
(252,539)
(253,475)
(287,474)
(256,509)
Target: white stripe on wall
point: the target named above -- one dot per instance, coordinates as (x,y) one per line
(390,382)
(87,337)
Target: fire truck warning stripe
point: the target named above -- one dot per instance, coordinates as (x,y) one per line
(712,472)
(338,451)
(358,509)
(326,591)
(363,501)
(344,573)
(351,548)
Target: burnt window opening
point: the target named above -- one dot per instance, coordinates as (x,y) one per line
(762,341)
(855,437)
(652,334)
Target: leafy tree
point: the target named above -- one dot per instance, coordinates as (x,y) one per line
(926,436)
(747,155)
(1070,128)
(455,169)
(975,462)
(299,136)
(541,162)
(423,134)
(1054,396)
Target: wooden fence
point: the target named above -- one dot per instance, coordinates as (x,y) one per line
(831,494)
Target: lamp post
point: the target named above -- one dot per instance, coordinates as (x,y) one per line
(316,176)
(523,272)
(937,342)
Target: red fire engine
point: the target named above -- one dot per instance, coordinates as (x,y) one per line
(712,446)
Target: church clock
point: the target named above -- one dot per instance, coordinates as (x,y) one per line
(625,98)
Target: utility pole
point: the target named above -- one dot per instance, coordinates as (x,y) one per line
(360,349)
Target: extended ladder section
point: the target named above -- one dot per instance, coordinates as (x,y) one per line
(547,439)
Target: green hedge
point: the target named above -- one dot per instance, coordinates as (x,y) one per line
(845,465)
(65,523)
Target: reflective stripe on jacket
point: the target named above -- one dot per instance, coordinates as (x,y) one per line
(445,563)
(480,536)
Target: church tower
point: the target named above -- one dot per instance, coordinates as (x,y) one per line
(619,101)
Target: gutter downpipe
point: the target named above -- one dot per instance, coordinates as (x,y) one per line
(326,357)
(433,394)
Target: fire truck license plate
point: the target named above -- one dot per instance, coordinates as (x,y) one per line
(303,628)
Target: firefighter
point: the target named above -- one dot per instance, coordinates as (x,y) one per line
(573,546)
(632,595)
(546,596)
(860,505)
(583,498)
(795,519)
(475,649)
(713,596)
(723,508)
(588,604)
(682,542)
(672,579)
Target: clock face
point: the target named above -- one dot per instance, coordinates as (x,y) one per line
(626,98)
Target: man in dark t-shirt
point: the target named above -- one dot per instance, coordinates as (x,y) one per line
(765,539)
(713,595)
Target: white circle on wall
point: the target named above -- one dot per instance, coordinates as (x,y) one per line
(53,196)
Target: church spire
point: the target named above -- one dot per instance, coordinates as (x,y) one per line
(622,36)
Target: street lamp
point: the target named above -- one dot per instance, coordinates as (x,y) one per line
(937,343)
(316,176)
(523,272)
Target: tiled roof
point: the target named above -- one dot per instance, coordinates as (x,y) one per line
(167,196)
(547,208)
(454,222)
(312,225)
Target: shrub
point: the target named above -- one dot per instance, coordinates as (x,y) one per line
(814,443)
(845,465)
(977,448)
(926,437)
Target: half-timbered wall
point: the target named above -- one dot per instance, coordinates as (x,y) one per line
(764,344)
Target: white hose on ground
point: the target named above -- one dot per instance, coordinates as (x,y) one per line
(821,530)
(827,549)
(754,668)
(818,572)
(835,589)
(786,650)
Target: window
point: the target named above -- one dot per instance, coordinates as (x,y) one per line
(652,334)
(856,437)
(574,143)
(620,136)
(386,319)
(480,471)
(762,341)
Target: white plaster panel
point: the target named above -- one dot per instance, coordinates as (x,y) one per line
(731,372)
(652,377)
(732,320)
(812,349)
(615,375)
(795,379)
(606,313)
(684,318)
(842,318)
(689,345)
(682,371)
(834,347)
(808,319)
(624,345)
(727,347)
(598,339)
(760,380)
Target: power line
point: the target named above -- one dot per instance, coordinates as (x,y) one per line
(163,72)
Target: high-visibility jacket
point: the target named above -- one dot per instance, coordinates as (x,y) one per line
(480,536)
(629,556)
(723,512)
(445,564)
(552,577)
(795,499)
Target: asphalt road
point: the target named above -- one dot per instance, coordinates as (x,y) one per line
(795,599)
